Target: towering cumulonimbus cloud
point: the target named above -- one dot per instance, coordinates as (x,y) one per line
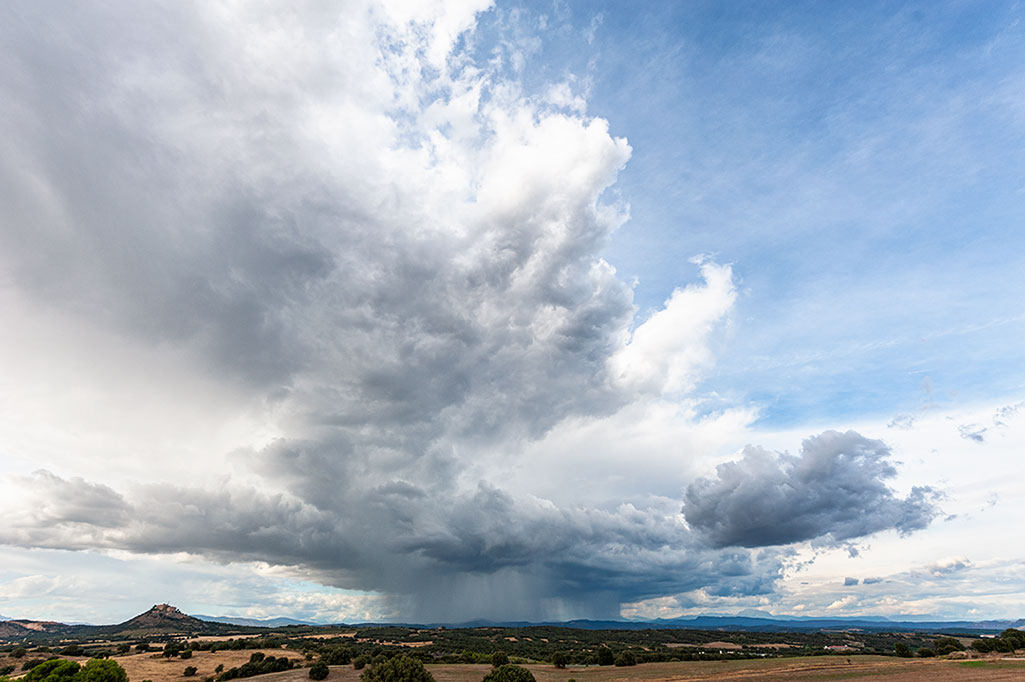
(393,252)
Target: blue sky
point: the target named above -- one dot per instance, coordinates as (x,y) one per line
(458,310)
(860,166)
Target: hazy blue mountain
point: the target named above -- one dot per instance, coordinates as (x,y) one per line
(255,622)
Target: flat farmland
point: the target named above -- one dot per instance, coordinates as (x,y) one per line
(810,669)
(798,669)
(159,669)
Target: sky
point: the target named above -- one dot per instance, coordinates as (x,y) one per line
(455,310)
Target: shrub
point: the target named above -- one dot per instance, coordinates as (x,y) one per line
(902,650)
(626,658)
(187,654)
(947,645)
(141,647)
(509,673)
(219,669)
(398,669)
(319,671)
(19,652)
(925,652)
(499,658)
(98,670)
(360,661)
(54,670)
(560,659)
(338,655)
(6,670)
(605,656)
(189,671)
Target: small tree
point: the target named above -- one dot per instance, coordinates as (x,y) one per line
(605,656)
(186,654)
(560,659)
(509,673)
(902,650)
(190,671)
(499,658)
(319,671)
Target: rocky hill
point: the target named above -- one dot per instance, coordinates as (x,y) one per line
(162,618)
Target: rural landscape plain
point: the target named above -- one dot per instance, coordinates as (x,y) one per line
(512,340)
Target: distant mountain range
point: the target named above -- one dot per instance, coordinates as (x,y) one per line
(767,623)
(256,623)
(164,619)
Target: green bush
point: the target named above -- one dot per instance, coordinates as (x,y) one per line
(189,671)
(98,670)
(397,669)
(946,645)
(54,670)
(605,656)
(186,654)
(499,658)
(509,673)
(338,655)
(319,671)
(626,658)
(560,659)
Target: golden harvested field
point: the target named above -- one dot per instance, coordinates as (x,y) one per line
(159,669)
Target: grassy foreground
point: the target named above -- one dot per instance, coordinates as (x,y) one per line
(804,669)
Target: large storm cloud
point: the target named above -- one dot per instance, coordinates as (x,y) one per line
(394,252)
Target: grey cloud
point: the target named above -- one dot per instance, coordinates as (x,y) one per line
(73,502)
(972,432)
(833,491)
(848,582)
(485,554)
(902,421)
